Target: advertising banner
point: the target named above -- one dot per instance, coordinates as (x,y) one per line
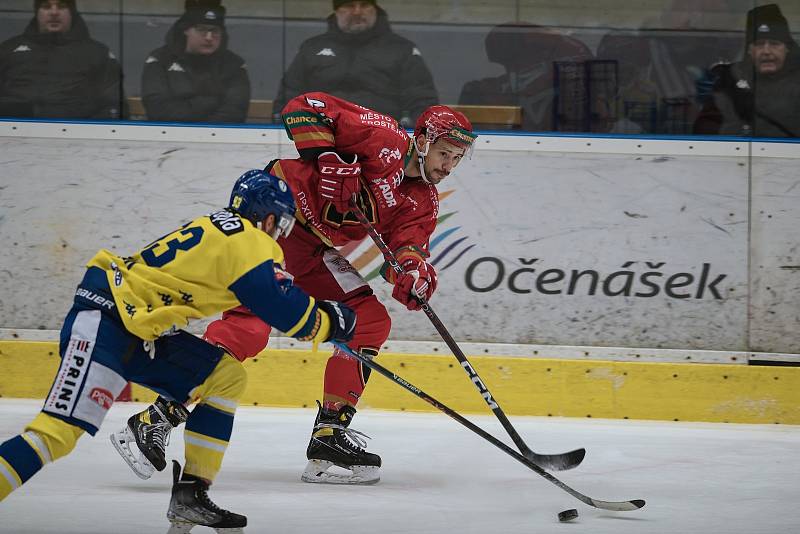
(532,247)
(589,249)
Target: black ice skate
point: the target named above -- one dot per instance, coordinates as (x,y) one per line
(149,431)
(190,507)
(333,443)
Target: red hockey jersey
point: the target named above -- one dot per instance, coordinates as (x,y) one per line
(404,211)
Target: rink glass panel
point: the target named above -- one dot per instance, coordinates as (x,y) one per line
(605,68)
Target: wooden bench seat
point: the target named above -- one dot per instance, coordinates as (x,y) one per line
(260,111)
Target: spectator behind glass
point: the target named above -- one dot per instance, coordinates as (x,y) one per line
(659,69)
(362,60)
(194,77)
(56,70)
(527,53)
(760,95)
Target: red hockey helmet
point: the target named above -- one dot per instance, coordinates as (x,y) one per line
(442,121)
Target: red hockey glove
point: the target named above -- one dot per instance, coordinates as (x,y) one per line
(418,281)
(338,180)
(240,333)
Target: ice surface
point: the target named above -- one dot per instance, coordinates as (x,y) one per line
(438,477)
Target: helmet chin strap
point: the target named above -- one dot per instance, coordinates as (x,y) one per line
(421,159)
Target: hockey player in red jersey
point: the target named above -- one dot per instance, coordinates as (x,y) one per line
(347,150)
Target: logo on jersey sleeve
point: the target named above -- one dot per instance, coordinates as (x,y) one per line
(389,155)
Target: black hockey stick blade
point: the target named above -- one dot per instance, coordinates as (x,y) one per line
(556,462)
(615,506)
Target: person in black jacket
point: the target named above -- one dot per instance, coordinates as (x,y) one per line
(56,70)
(362,60)
(194,77)
(759,96)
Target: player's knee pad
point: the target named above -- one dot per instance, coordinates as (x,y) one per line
(373,325)
(224,386)
(51,437)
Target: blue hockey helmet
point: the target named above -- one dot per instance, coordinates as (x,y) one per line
(257,193)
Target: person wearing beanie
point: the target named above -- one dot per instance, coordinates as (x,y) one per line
(54,17)
(359,58)
(54,69)
(768,38)
(194,77)
(760,95)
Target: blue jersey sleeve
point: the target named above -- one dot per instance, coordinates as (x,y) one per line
(277,302)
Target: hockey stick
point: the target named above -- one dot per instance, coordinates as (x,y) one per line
(617,506)
(556,462)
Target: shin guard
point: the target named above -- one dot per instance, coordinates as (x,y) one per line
(209,427)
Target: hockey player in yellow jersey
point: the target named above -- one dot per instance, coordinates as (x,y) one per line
(126,325)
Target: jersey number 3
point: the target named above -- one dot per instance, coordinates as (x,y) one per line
(194,234)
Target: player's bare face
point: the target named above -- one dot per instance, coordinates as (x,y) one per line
(356,17)
(768,55)
(442,158)
(203,39)
(54,17)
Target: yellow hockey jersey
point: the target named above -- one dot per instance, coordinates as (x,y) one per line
(209,265)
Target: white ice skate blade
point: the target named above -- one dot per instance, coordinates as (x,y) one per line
(137,462)
(316,472)
(184,527)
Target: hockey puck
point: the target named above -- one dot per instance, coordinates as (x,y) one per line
(567,515)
